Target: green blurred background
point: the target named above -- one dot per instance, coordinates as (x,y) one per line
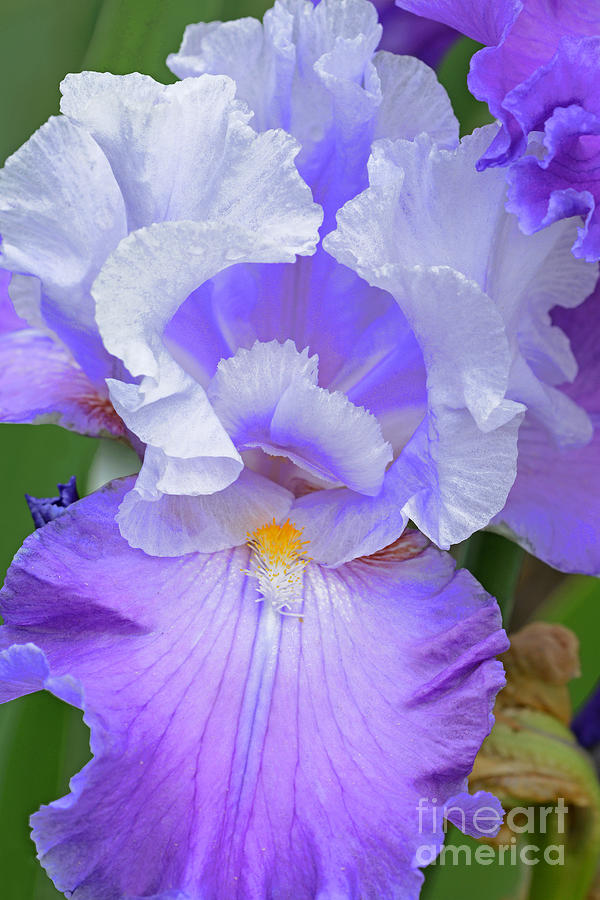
(43,741)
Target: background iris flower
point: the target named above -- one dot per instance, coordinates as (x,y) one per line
(538,72)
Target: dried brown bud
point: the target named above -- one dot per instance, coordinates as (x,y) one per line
(542,659)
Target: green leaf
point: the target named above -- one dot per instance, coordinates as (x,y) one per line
(41,41)
(137,35)
(496,563)
(42,743)
(453,75)
(461,876)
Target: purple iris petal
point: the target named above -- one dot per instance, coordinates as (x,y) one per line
(239,753)
(478,19)
(521,36)
(479,814)
(9,320)
(413,35)
(46,509)
(586,723)
(552,508)
(564,178)
(41,382)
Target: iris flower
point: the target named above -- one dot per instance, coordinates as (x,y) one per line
(276,674)
(256,390)
(153,234)
(539,74)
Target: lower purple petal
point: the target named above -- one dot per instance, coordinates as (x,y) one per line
(239,753)
(479,815)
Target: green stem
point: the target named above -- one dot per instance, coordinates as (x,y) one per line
(496,563)
(580,847)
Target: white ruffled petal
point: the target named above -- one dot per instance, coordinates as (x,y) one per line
(412,101)
(155,269)
(434,210)
(61,214)
(190,154)
(461,462)
(313,71)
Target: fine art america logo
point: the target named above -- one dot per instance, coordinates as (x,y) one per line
(486,820)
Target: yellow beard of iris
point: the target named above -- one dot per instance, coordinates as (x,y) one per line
(278,564)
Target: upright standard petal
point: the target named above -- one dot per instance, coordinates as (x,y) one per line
(190,154)
(312,70)
(239,753)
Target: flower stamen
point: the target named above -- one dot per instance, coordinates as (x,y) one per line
(278,562)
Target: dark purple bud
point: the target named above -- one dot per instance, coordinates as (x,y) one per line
(45,509)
